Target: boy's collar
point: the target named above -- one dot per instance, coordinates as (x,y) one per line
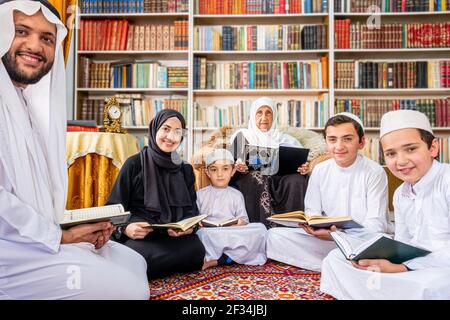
(414,190)
(353,165)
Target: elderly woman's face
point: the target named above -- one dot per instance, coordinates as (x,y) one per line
(264,118)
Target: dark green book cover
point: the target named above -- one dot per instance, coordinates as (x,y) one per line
(392,250)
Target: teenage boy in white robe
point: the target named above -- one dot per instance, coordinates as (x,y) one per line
(244,243)
(347,184)
(422,219)
(37,259)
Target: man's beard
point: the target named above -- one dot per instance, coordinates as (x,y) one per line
(16,75)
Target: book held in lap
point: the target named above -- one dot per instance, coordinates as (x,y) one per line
(113,213)
(225,223)
(378,247)
(182,225)
(294,218)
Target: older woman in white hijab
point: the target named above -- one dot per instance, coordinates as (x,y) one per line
(266,194)
(37,259)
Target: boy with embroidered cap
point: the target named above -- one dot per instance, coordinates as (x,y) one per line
(243,243)
(347,184)
(422,219)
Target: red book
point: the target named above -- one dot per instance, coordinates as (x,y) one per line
(124,36)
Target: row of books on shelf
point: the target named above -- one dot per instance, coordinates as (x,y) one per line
(433,74)
(372,150)
(137,109)
(370,111)
(260,75)
(132,75)
(303,113)
(260,37)
(391,5)
(120,35)
(358,35)
(133,6)
(260,6)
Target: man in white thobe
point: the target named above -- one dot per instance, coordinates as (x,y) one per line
(37,259)
(348,184)
(422,219)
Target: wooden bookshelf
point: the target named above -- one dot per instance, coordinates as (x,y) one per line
(228,97)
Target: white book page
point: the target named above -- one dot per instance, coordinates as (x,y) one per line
(92,213)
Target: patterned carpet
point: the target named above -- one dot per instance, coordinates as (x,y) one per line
(272,281)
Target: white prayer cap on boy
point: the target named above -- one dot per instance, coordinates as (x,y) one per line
(218,154)
(351,116)
(403,119)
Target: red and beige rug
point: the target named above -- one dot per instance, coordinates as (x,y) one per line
(272,281)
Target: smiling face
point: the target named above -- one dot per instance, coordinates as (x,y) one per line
(220,173)
(407,155)
(169,135)
(32,51)
(264,118)
(343,143)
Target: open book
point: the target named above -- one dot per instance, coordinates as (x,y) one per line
(378,247)
(282,161)
(182,225)
(113,213)
(294,218)
(225,223)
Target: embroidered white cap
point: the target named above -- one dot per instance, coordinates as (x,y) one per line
(351,116)
(218,154)
(403,119)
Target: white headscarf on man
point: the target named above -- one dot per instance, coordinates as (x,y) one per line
(46,101)
(271,138)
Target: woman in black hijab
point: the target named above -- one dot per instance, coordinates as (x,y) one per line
(157,187)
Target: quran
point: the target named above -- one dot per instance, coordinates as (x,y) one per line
(225,223)
(182,225)
(294,218)
(378,247)
(113,213)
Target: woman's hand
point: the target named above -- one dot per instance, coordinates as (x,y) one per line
(240,166)
(303,169)
(138,230)
(379,265)
(174,233)
(95,233)
(323,234)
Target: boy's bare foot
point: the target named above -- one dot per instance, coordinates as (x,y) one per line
(209,264)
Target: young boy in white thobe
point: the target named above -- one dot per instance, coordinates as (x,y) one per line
(244,243)
(348,184)
(422,219)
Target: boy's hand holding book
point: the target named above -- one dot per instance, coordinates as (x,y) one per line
(379,265)
(323,234)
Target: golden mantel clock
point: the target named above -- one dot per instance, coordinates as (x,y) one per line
(112,114)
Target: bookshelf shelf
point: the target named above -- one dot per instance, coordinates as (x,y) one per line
(135,15)
(271,16)
(391,91)
(242,92)
(129,90)
(225,98)
(277,52)
(397,50)
(134,52)
(392,14)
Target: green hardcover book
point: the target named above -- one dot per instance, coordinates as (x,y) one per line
(378,247)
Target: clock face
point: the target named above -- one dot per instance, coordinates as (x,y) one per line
(114,112)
